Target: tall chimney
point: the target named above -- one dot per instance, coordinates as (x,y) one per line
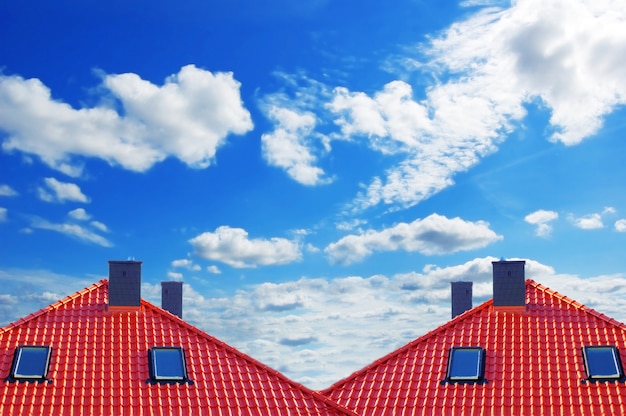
(172,298)
(461,297)
(509,285)
(124,285)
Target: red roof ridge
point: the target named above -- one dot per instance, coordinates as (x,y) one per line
(243,355)
(54,305)
(443,327)
(475,310)
(576,304)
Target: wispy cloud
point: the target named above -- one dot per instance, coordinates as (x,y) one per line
(74,230)
(432,235)
(3,214)
(78,227)
(188,117)
(542,219)
(6,190)
(79,214)
(186,264)
(233,247)
(57,191)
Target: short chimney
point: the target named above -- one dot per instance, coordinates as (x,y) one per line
(509,285)
(461,297)
(172,297)
(124,285)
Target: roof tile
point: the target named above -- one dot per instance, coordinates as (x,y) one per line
(533,363)
(99,365)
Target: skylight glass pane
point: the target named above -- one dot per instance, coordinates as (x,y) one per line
(168,363)
(465,363)
(602,362)
(31,362)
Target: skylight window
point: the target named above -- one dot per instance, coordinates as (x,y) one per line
(167,364)
(602,362)
(31,362)
(465,364)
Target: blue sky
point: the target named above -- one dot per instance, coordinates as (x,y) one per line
(317,172)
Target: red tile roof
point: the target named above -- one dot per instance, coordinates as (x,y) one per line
(99,365)
(534,365)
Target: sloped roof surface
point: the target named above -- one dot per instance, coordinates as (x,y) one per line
(534,365)
(99,365)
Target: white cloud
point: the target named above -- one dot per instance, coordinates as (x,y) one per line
(233,247)
(175,275)
(3,214)
(186,264)
(288,147)
(609,210)
(620,226)
(350,225)
(99,226)
(188,118)
(6,190)
(79,214)
(541,218)
(567,56)
(432,235)
(57,191)
(294,145)
(213,269)
(588,222)
(592,221)
(318,331)
(72,230)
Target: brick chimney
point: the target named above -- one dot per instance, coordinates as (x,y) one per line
(509,286)
(172,298)
(461,297)
(124,285)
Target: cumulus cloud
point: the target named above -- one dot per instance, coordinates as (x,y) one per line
(432,235)
(6,190)
(566,56)
(188,117)
(233,247)
(542,219)
(497,60)
(588,222)
(591,221)
(620,226)
(57,191)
